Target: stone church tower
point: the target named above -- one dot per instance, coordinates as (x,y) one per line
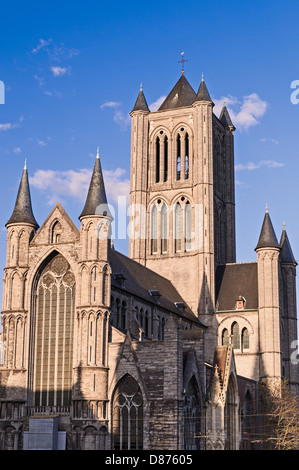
(182,192)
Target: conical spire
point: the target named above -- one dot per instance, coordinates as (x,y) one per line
(181,95)
(22,212)
(96,201)
(286,253)
(203,94)
(267,237)
(141,104)
(225,117)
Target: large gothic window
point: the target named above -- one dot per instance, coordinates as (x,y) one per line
(165,158)
(127,416)
(187,225)
(157,160)
(164,228)
(154,229)
(192,416)
(54,321)
(178,227)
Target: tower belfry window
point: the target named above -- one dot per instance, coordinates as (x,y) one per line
(164,229)
(154,230)
(178,159)
(178,227)
(186,156)
(157,160)
(165,158)
(187,225)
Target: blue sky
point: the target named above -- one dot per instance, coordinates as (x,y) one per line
(72,72)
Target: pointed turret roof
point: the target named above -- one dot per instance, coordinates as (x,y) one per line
(96,193)
(181,95)
(23,212)
(203,94)
(224,117)
(141,104)
(286,253)
(267,237)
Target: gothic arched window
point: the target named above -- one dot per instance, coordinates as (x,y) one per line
(157,160)
(225,337)
(236,335)
(53,335)
(165,158)
(164,228)
(245,339)
(192,416)
(178,227)
(187,213)
(127,416)
(178,158)
(186,156)
(154,230)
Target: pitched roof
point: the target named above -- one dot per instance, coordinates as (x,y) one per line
(267,236)
(203,94)
(96,193)
(23,212)
(286,253)
(224,118)
(141,281)
(181,95)
(140,104)
(235,280)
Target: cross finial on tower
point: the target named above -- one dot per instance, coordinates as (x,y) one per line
(182,61)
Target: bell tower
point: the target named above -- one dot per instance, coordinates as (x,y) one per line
(182,183)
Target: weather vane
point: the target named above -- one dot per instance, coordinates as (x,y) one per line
(182,61)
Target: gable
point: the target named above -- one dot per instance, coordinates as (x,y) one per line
(57,228)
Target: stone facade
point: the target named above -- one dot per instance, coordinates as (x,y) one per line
(163,349)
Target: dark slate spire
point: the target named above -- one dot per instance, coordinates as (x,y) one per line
(203,94)
(141,104)
(181,95)
(267,237)
(286,253)
(96,194)
(224,117)
(22,212)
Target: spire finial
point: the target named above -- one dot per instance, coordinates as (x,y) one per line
(202,77)
(98,152)
(140,86)
(25,164)
(266,208)
(283,226)
(182,61)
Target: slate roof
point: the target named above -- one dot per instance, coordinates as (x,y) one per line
(233,281)
(267,236)
(286,253)
(23,212)
(181,95)
(203,94)
(140,280)
(224,118)
(141,104)
(96,193)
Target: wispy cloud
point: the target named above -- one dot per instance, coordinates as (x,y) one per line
(156,105)
(74,184)
(245,113)
(59,71)
(273,141)
(41,45)
(254,166)
(7,126)
(122,119)
(17,150)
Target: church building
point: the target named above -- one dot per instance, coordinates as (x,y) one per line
(163,349)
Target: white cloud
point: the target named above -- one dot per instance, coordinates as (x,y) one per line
(110,104)
(17,150)
(41,143)
(42,43)
(254,166)
(243,114)
(75,184)
(122,119)
(6,127)
(59,71)
(273,141)
(156,105)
